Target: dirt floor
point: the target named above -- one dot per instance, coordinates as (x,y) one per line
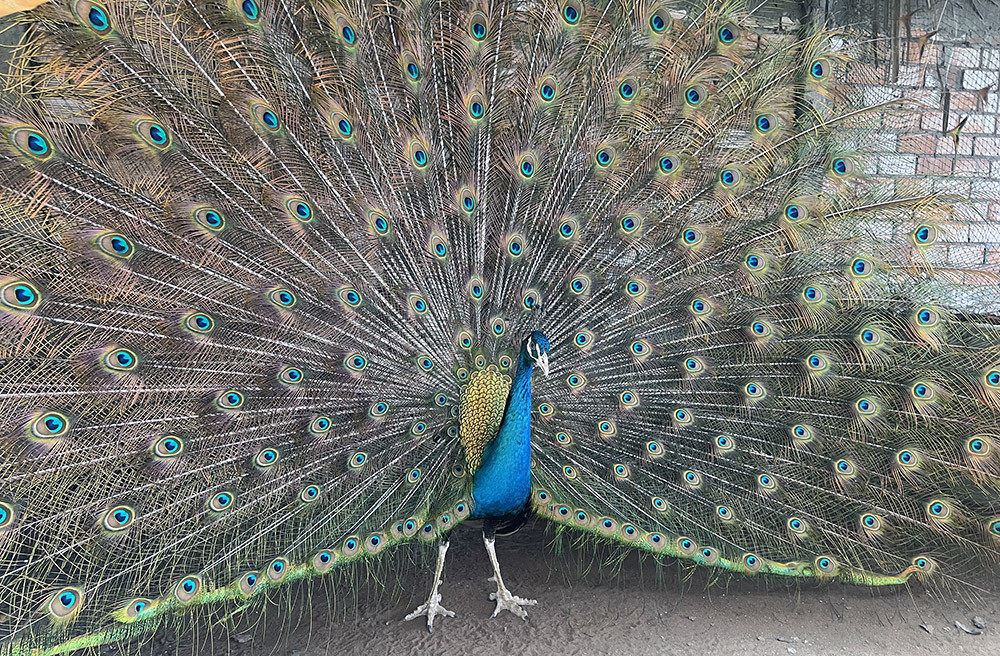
(635,613)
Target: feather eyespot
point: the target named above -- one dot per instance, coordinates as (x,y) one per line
(761,329)
(548,89)
(627,89)
(115,245)
(755,262)
(118,518)
(640,349)
(728,34)
(265,117)
(841,167)
(530,300)
(527,165)
(299,210)
(659,20)
(276,570)
(309,494)
(605,157)
(379,223)
(636,289)
(628,399)
(437,246)
(938,510)
(607,428)
(417,303)
(50,425)
(580,284)
(813,295)
(467,200)
(358,460)
(93,16)
(818,69)
(20,295)
(418,155)
(795,213)
(266,457)
(320,425)
(478,26)
(826,565)
(31,142)
(563,438)
(498,327)
(583,339)
(700,308)
(669,164)
(568,228)
(282,298)
(411,69)
(692,237)
(209,218)
(7,515)
(924,235)
(844,467)
(356,362)
(683,417)
(121,360)
(341,124)
(571,11)
(230,400)
(152,133)
(424,362)
(862,268)
(221,502)
(65,603)
(630,225)
(730,177)
(168,446)
(695,95)
(136,607)
(348,34)
(764,123)
(350,297)
(476,289)
(992,378)
(515,246)
(691,478)
(378,409)
(724,444)
(766,483)
(251,10)
(978,447)
(477,106)
(797,526)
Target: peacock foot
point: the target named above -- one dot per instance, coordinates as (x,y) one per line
(433,607)
(507,601)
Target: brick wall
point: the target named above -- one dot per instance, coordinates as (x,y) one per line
(954,75)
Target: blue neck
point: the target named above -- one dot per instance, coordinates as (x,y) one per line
(502,484)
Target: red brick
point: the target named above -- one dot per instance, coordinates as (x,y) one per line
(934,165)
(969,166)
(963,100)
(918,144)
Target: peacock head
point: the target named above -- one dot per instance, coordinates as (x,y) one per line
(536,347)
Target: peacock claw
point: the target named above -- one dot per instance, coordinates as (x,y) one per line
(507,601)
(432,608)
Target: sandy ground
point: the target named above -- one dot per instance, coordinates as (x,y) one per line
(635,613)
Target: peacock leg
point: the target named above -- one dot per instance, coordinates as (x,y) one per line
(505,600)
(433,607)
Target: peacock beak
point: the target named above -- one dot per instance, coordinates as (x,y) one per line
(543,362)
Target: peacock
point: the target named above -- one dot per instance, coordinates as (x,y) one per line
(286,285)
